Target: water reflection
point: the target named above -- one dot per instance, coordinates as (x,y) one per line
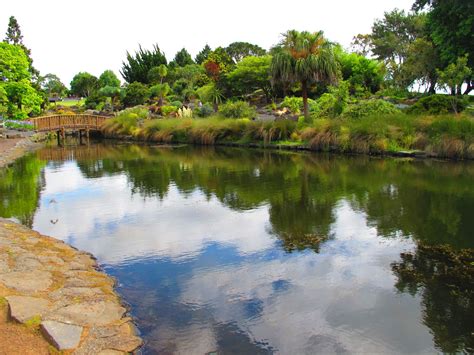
(243,251)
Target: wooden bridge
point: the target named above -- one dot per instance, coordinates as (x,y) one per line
(63,123)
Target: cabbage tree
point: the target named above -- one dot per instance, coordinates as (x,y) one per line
(306,58)
(160,91)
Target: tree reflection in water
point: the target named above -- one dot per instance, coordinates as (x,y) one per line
(445,279)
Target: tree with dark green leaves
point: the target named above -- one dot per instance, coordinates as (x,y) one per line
(305,58)
(84,84)
(183,58)
(451,27)
(135,94)
(251,74)
(13,35)
(53,86)
(421,64)
(203,54)
(239,50)
(111,92)
(108,78)
(137,66)
(453,77)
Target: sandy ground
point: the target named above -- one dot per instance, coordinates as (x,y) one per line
(6,144)
(17,339)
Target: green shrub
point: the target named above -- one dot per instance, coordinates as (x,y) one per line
(375,107)
(167,110)
(135,94)
(459,128)
(295,104)
(204,111)
(176,103)
(94,100)
(237,109)
(438,104)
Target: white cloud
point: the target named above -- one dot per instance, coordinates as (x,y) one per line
(101,216)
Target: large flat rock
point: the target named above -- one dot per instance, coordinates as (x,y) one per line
(30,281)
(62,335)
(89,313)
(23,308)
(109,340)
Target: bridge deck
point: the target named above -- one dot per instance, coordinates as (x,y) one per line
(74,122)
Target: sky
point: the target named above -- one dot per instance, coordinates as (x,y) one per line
(67,37)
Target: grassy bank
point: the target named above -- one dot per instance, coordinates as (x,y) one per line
(447,136)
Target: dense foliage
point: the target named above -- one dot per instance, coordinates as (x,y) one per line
(136,67)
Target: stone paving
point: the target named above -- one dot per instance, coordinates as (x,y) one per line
(57,288)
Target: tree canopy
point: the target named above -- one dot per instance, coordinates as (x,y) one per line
(451,27)
(183,58)
(305,58)
(84,84)
(136,67)
(203,54)
(108,78)
(239,50)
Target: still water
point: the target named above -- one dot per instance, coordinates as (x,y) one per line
(245,251)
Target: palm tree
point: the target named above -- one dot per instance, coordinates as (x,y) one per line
(306,58)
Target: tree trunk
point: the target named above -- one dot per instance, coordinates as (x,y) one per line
(468,88)
(304,89)
(432,89)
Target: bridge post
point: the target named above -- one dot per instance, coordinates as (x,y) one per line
(58,136)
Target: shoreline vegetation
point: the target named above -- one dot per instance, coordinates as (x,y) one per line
(444,136)
(401,89)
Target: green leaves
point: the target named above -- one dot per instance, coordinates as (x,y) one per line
(84,84)
(136,67)
(14,63)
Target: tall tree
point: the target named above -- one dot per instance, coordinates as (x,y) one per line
(183,58)
(20,98)
(14,36)
(203,54)
(239,50)
(53,86)
(361,44)
(136,67)
(451,26)
(108,78)
(84,84)
(218,62)
(251,74)
(391,38)
(305,58)
(13,63)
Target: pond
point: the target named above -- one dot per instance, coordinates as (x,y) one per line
(226,250)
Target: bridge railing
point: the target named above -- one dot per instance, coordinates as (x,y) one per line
(77,122)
